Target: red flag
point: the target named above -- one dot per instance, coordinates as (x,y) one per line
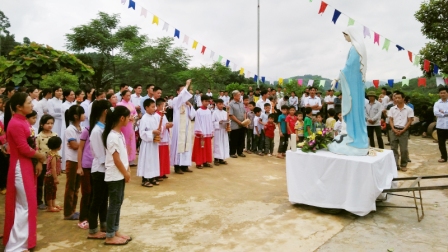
(422,82)
(426,65)
(410,55)
(376,38)
(323,6)
(376,83)
(203,49)
(446,81)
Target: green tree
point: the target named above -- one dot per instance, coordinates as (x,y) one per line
(30,64)
(62,79)
(433,16)
(26,41)
(4,25)
(106,37)
(7,44)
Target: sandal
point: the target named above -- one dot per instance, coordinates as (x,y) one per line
(83,225)
(216,163)
(199,166)
(53,209)
(208,165)
(124,242)
(147,184)
(222,162)
(97,236)
(59,207)
(164,176)
(154,182)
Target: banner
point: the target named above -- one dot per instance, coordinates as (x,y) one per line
(310,83)
(391,83)
(439,81)
(405,82)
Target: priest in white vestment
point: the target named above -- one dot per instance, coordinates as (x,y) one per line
(221,140)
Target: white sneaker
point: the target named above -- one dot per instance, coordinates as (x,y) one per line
(269,155)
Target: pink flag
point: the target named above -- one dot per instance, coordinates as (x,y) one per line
(376,38)
(446,81)
(300,82)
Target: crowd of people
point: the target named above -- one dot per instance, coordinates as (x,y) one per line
(94,136)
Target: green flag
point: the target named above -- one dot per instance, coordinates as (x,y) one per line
(219,58)
(322,83)
(417,60)
(386,44)
(351,21)
(405,82)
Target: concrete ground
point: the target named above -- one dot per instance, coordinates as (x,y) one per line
(244,207)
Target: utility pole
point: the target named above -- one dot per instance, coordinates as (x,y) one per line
(258,47)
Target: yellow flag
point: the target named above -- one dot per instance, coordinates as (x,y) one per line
(155,20)
(241,71)
(195,44)
(280,81)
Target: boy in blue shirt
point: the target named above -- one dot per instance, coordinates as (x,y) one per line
(284,137)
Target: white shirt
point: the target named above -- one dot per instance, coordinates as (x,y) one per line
(209,94)
(260,103)
(373,112)
(330,99)
(385,101)
(136,100)
(35,107)
(258,125)
(442,117)
(118,96)
(294,101)
(85,105)
(198,100)
(115,143)
(313,101)
(226,100)
(72,134)
(400,116)
(170,103)
(97,148)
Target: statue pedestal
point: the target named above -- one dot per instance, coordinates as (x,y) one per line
(340,146)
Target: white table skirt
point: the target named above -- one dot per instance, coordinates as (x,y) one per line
(328,180)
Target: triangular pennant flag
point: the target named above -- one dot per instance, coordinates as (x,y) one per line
(405,82)
(203,50)
(195,44)
(155,20)
(143,12)
(131,4)
(386,44)
(123,1)
(177,33)
(219,58)
(446,81)
(376,83)
(234,67)
(351,21)
(391,83)
(255,78)
(399,48)
(335,16)
(439,81)
(366,32)
(323,6)
(426,65)
(186,39)
(227,63)
(376,38)
(300,82)
(290,81)
(416,60)
(310,83)
(280,81)
(337,84)
(436,69)
(322,83)
(241,71)
(422,82)
(212,54)
(263,79)
(248,73)
(165,26)
(410,56)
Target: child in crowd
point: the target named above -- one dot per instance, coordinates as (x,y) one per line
(329,123)
(246,103)
(85,159)
(52,171)
(284,136)
(32,118)
(299,128)
(117,171)
(308,123)
(164,144)
(221,141)
(98,205)
(148,163)
(72,138)
(338,125)
(318,125)
(264,120)
(291,120)
(257,144)
(203,131)
(250,128)
(269,132)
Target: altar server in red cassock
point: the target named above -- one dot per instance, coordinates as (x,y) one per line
(203,131)
(164,144)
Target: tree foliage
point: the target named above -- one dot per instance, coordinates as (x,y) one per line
(433,15)
(4,23)
(30,64)
(62,79)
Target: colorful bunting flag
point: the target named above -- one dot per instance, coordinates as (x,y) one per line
(186,39)
(422,82)
(195,44)
(280,81)
(300,82)
(203,50)
(310,83)
(165,26)
(336,85)
(123,2)
(335,16)
(376,83)
(290,81)
(322,83)
(131,4)
(263,79)
(248,73)
(417,60)
(439,81)
(323,6)
(219,58)
(410,56)
(426,64)
(144,12)
(177,33)
(155,20)
(386,44)
(227,63)
(446,81)
(436,69)
(351,21)
(405,82)
(366,32)
(255,78)
(376,38)
(391,83)
(399,48)
(212,54)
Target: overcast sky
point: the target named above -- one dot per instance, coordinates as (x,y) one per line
(295,40)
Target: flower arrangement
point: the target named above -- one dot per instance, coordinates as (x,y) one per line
(317,141)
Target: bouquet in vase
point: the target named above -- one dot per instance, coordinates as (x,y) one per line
(317,141)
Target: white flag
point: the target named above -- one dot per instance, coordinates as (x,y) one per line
(123,1)
(212,54)
(144,12)
(165,26)
(186,38)
(310,83)
(439,81)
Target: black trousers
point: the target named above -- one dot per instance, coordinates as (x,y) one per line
(442,136)
(98,204)
(379,139)
(4,166)
(237,141)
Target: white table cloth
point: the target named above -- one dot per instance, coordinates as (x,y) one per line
(328,180)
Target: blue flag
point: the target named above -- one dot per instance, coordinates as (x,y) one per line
(227,63)
(337,84)
(255,78)
(391,83)
(176,33)
(131,4)
(336,16)
(436,69)
(263,79)
(399,48)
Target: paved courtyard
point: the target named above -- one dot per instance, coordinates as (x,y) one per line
(244,207)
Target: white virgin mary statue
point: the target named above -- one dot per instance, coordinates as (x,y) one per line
(352,81)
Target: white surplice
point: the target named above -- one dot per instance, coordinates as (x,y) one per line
(221,139)
(85,105)
(181,141)
(148,161)
(203,124)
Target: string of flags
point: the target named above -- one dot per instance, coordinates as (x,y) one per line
(414,58)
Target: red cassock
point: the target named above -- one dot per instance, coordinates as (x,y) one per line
(164,159)
(202,153)
(17,135)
